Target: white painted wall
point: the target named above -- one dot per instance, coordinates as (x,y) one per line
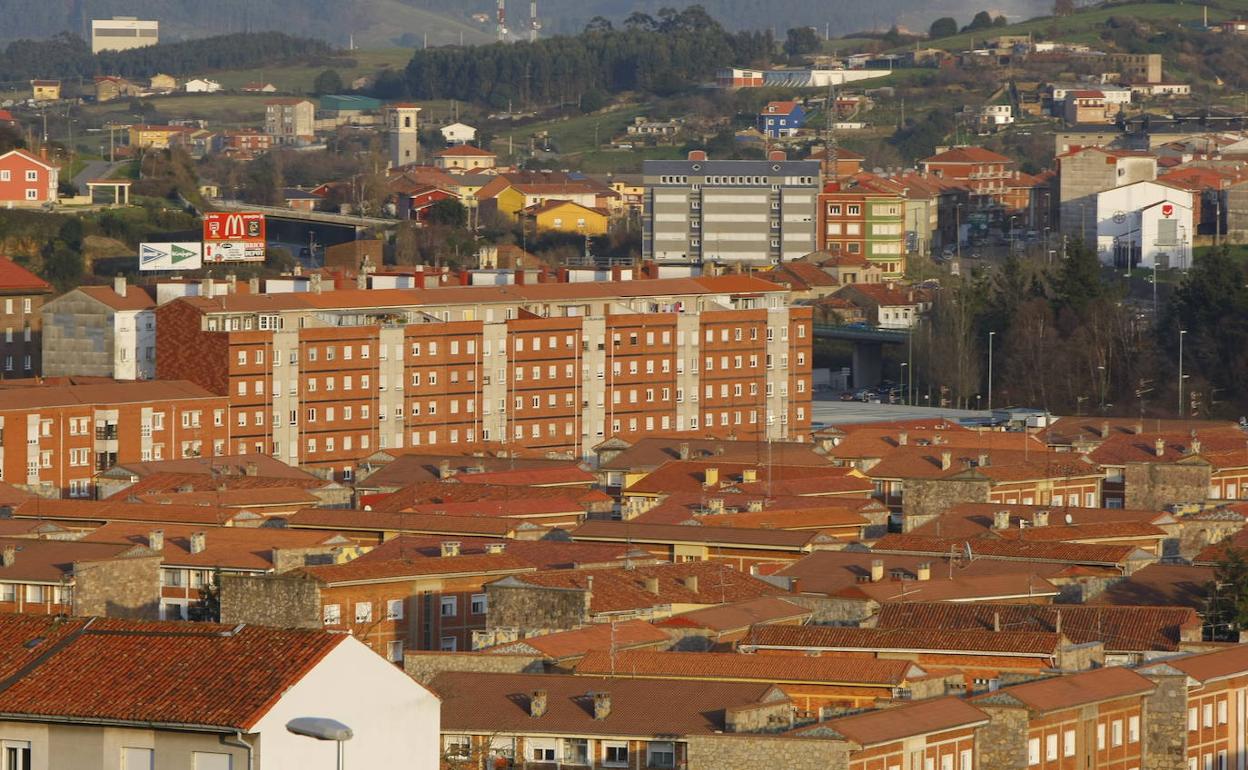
(1131,214)
(396,721)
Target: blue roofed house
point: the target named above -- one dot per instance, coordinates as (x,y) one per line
(781,119)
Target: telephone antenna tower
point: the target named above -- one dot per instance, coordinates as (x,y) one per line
(829,136)
(502,20)
(534,25)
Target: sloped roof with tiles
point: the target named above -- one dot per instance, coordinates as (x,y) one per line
(686,507)
(738,615)
(894,724)
(410,468)
(976,520)
(384,570)
(1120,628)
(967,155)
(637,532)
(1074,553)
(690,475)
(242,548)
(151,674)
(372,521)
(542,554)
(627,635)
(108,510)
(50,561)
(26,394)
(732,666)
(1173,585)
(494,703)
(424,493)
(650,453)
(135,298)
(844,638)
(1209,666)
(1120,449)
(1074,690)
(960,587)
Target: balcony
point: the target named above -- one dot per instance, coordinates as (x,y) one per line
(106,433)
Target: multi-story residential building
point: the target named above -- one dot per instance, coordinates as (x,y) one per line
(1086,171)
(27,180)
(858,219)
(1088,106)
(1214,684)
(61,576)
(511,194)
(45,90)
(781,119)
(986,174)
(60,435)
(290,121)
(147,137)
(101,331)
(464,157)
(21,303)
(744,211)
(327,378)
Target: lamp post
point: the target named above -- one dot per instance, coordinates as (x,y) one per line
(905,383)
(991,335)
(1182,334)
(957,229)
(322,729)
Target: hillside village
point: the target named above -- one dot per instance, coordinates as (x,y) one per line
(867,402)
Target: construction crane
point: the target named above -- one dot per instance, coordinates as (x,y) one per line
(534,24)
(502,20)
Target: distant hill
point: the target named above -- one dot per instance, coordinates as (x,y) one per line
(380,23)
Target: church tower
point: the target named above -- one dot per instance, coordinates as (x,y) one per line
(403,127)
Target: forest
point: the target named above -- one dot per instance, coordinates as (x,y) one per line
(658,55)
(67,56)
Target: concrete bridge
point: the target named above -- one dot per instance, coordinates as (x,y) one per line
(869,341)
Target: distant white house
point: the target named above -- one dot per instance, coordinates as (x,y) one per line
(459,133)
(202,86)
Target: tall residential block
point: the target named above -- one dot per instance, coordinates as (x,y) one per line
(741,211)
(327,378)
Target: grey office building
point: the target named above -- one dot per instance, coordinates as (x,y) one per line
(756,211)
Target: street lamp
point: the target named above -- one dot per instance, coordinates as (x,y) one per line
(991,335)
(1182,334)
(322,729)
(905,383)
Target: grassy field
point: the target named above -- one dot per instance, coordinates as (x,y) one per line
(298,78)
(624,161)
(222,110)
(386,20)
(573,134)
(1081,27)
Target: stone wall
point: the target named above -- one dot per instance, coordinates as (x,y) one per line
(1081,657)
(286,559)
(535,610)
(1002,743)
(925,499)
(829,611)
(425,666)
(1153,486)
(284,601)
(77,337)
(126,587)
(750,752)
(1165,722)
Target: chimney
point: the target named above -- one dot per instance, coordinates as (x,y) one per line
(314,283)
(1139,428)
(711,477)
(1000,519)
(1195,445)
(495,548)
(946,460)
(444,469)
(1105,430)
(119,285)
(691,582)
(652,585)
(450,548)
(684,450)
(903,438)
(1159,447)
(1040,519)
(198,542)
(777,155)
(537,703)
(877,570)
(602,705)
(748,475)
(253,285)
(924,571)
(1057,623)
(205,288)
(8,556)
(983,459)
(996,621)
(251,469)
(697,155)
(156,539)
(716,504)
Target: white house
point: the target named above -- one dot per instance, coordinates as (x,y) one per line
(101,331)
(1145,224)
(207,696)
(202,86)
(459,133)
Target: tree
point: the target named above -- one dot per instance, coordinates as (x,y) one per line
(1063,7)
(801,40)
(1227,597)
(328,82)
(1000,21)
(599,24)
(448,213)
(1078,282)
(593,100)
(945,26)
(208,608)
(63,266)
(1212,306)
(982,20)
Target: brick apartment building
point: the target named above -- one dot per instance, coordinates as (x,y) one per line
(327,378)
(22,294)
(861,221)
(60,435)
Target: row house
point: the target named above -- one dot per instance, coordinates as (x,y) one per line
(1152,470)
(55,437)
(326,379)
(67,577)
(990,178)
(742,547)
(1215,718)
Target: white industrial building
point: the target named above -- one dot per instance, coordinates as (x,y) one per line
(1145,224)
(122,33)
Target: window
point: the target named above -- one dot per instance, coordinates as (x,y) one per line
(1033,751)
(479,604)
(541,749)
(1207,714)
(965,760)
(16,755)
(211,760)
(449,607)
(394,652)
(1050,747)
(363,612)
(1068,743)
(615,754)
(1221,713)
(1115,732)
(1133,728)
(394,609)
(661,754)
(448,644)
(1192,719)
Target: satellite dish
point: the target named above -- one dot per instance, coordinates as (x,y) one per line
(1070,519)
(969,555)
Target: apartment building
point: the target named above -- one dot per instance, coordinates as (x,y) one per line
(740,211)
(858,220)
(989,177)
(22,294)
(1086,171)
(60,435)
(326,379)
(101,331)
(290,121)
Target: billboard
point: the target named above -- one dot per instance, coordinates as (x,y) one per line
(170,256)
(234,236)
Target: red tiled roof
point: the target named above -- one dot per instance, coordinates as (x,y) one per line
(1172,585)
(967,155)
(961,587)
(629,634)
(145,673)
(1120,449)
(136,297)
(1074,553)
(1209,666)
(50,561)
(690,475)
(28,394)
(739,615)
(16,279)
(108,511)
(650,453)
(372,521)
(397,569)
(239,548)
(512,500)
(973,520)
(844,638)
(731,666)
(741,537)
(893,724)
(541,554)
(465,150)
(1072,690)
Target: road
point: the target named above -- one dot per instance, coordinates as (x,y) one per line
(835,411)
(96,169)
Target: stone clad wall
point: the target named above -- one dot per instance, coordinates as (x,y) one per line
(1002,742)
(752,752)
(425,666)
(126,587)
(271,600)
(534,610)
(1152,486)
(1165,723)
(924,500)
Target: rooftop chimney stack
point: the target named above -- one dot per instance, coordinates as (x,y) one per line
(198,542)
(495,548)
(877,570)
(684,450)
(119,285)
(537,703)
(1195,445)
(1105,430)
(156,539)
(749,475)
(996,621)
(946,460)
(1159,447)
(1040,519)
(1001,520)
(983,459)
(903,438)
(450,547)
(711,477)
(1057,623)
(602,705)
(8,555)
(444,469)
(652,585)
(691,582)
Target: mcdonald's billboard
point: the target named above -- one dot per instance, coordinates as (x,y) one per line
(234,236)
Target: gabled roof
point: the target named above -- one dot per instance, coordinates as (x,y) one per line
(967,155)
(739,615)
(894,724)
(13,277)
(541,554)
(649,453)
(1174,585)
(1074,553)
(238,548)
(385,570)
(52,561)
(849,639)
(1074,690)
(199,675)
(136,298)
(1208,666)
(463,151)
(28,394)
(626,635)
(741,537)
(736,667)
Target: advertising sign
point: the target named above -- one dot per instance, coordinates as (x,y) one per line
(1167,210)
(234,236)
(170,256)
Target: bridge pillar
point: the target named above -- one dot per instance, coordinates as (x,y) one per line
(868,364)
